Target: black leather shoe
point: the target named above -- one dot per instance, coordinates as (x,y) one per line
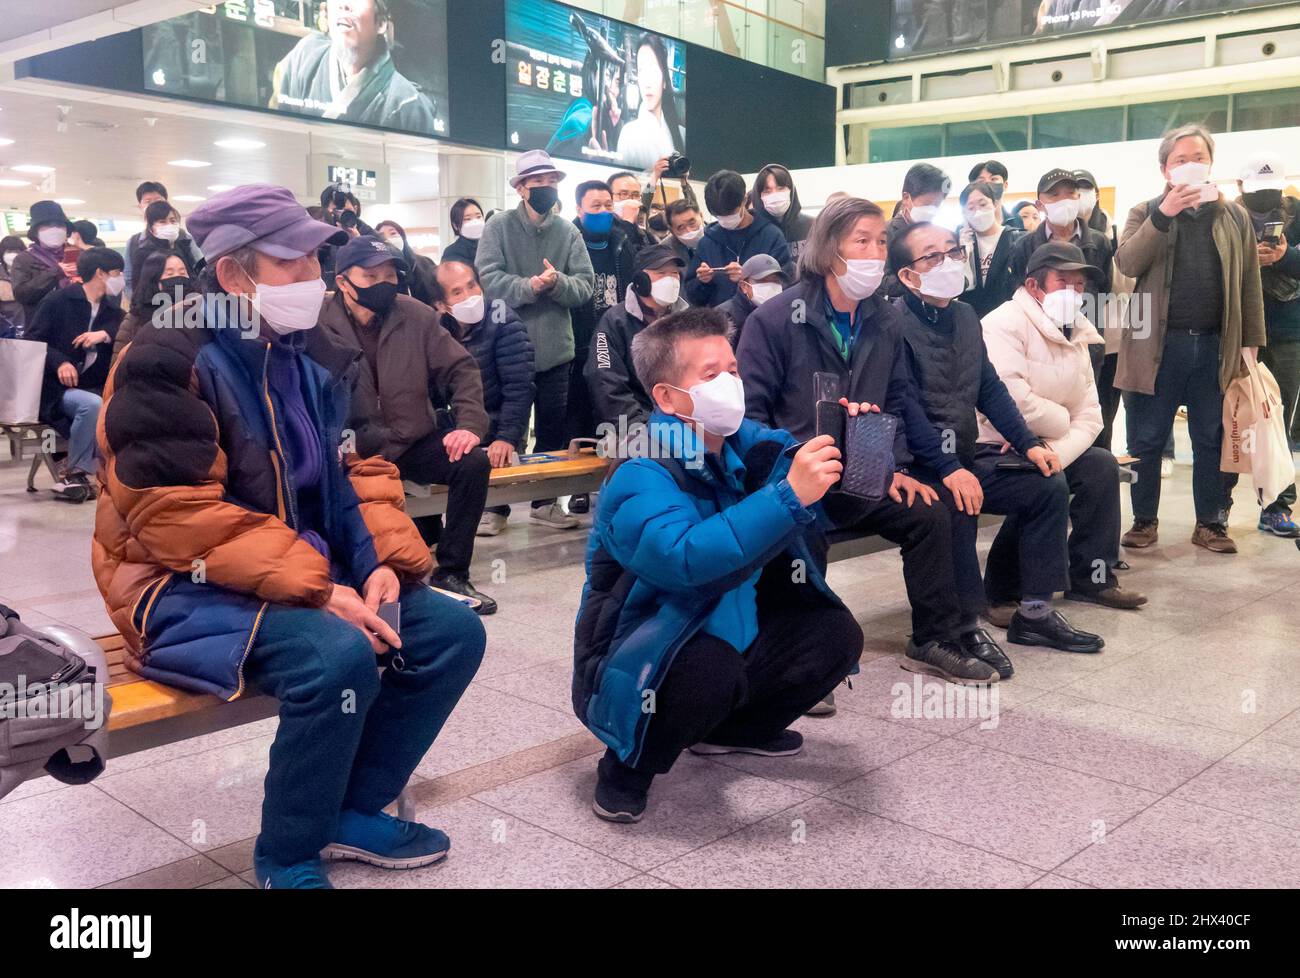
(461,585)
(979,644)
(1054,632)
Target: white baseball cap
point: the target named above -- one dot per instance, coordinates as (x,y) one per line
(1265,171)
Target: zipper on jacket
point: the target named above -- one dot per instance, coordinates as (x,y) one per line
(282,473)
(248,647)
(153,596)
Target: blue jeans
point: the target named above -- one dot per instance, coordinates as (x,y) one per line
(1188,374)
(82,408)
(348,738)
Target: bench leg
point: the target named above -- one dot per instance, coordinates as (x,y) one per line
(31,473)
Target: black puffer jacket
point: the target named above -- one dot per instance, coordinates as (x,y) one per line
(505,360)
(61,318)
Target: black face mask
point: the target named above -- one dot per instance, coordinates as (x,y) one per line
(169,286)
(1262,201)
(378,298)
(542,199)
(659,224)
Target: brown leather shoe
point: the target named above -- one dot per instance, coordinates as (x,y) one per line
(1112,596)
(1001,614)
(1213,537)
(1142,534)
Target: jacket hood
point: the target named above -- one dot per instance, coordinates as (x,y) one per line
(1082,332)
(792,215)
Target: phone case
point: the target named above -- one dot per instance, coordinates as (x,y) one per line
(869,459)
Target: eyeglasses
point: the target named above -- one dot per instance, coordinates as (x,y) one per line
(935,258)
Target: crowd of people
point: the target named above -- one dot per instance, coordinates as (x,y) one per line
(276,374)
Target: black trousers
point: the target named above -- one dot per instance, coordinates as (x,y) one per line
(924,533)
(1109,398)
(550,421)
(714,693)
(467,487)
(1093,543)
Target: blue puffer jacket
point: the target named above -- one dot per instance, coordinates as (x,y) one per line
(676,550)
(505,360)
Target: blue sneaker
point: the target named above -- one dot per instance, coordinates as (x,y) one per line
(309,875)
(1279,524)
(387,842)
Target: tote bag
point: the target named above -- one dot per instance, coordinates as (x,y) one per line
(22,370)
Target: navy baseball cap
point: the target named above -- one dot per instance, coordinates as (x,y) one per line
(261,216)
(367,251)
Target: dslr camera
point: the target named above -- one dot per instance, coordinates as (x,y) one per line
(678,166)
(334,201)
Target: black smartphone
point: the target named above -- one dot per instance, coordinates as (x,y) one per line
(391,615)
(1272,234)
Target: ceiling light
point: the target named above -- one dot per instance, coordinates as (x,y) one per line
(217,188)
(5,182)
(189,164)
(188,198)
(6,142)
(68,201)
(239,143)
(32,168)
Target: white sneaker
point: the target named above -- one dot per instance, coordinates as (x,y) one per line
(554,517)
(1166,467)
(491,525)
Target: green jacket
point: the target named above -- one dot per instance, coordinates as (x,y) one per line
(511,252)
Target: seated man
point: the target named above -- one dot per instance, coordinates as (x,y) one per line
(1038,342)
(78,324)
(499,344)
(617,397)
(406,357)
(832,321)
(691,633)
(761,279)
(956,379)
(237,544)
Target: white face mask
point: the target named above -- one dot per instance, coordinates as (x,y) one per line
(473,229)
(731,221)
(765,290)
(395,240)
(290,308)
(1063,212)
(777,202)
(861,278)
(53,237)
(115,284)
(945,282)
(167,232)
(666,291)
(627,210)
(9,258)
(1063,306)
(1191,174)
(924,213)
(469,311)
(691,238)
(1087,202)
(981,220)
(719,405)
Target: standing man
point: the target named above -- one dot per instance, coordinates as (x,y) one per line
(405,357)
(687,227)
(145,194)
(41,269)
(537,264)
(629,207)
(1196,261)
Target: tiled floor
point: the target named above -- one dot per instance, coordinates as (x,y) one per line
(1172,759)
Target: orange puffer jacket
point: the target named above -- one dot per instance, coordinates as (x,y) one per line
(197,527)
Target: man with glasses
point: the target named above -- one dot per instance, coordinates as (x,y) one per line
(1024,482)
(629,202)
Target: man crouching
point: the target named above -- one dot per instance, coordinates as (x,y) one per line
(706,622)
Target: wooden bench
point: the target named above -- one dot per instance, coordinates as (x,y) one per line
(539,476)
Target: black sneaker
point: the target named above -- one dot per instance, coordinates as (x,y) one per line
(580,503)
(785,744)
(461,585)
(948,661)
(621,792)
(979,644)
(1054,632)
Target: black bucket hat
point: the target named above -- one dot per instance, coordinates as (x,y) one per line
(47,212)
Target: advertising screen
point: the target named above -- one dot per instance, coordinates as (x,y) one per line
(584,87)
(380,63)
(931,26)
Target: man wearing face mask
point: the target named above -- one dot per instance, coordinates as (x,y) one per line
(761,278)
(925,188)
(1059,202)
(240,543)
(617,397)
(1038,342)
(1195,257)
(405,358)
(834,321)
(687,228)
(691,553)
(957,384)
(1276,220)
(40,269)
(499,343)
(78,324)
(738,235)
(537,263)
(629,203)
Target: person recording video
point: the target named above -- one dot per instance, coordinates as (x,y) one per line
(348,73)
(341,208)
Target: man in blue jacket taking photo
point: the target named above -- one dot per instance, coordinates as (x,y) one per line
(706,622)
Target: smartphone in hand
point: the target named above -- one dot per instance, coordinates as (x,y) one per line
(391,615)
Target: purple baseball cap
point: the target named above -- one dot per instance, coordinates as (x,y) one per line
(261,216)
